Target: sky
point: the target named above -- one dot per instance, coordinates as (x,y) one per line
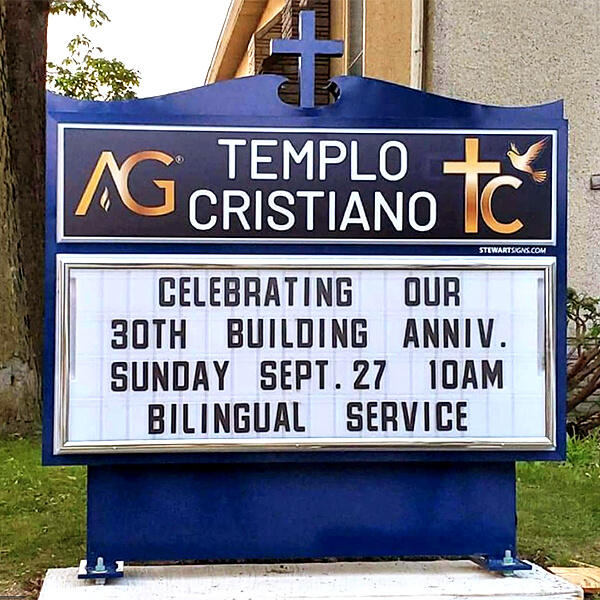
(170,42)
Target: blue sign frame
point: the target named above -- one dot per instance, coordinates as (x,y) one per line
(281,505)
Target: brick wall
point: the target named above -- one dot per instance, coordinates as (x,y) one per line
(260,45)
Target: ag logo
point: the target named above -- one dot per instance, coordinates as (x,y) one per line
(472,167)
(120,176)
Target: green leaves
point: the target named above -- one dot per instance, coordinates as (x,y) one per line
(89,9)
(583,312)
(85,73)
(583,361)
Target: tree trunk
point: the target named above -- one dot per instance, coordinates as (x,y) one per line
(23,25)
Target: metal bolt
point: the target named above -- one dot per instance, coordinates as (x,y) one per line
(100,566)
(508,561)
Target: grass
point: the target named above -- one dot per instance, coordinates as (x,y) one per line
(559,507)
(42,515)
(42,512)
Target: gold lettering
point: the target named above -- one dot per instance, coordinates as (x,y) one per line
(121,178)
(486,204)
(471,168)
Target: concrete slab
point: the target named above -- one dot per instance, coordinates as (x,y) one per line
(433,580)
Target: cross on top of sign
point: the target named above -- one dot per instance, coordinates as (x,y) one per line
(307,47)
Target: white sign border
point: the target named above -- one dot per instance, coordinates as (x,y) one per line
(63,331)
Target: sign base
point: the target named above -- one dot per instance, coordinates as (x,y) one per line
(299,511)
(350,580)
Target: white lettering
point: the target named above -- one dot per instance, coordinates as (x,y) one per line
(412,211)
(331,211)
(231,155)
(382,203)
(383,156)
(291,218)
(310,207)
(257,159)
(229,210)
(355,201)
(212,198)
(325,160)
(306,152)
(354,174)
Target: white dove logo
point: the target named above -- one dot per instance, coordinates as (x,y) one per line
(522,162)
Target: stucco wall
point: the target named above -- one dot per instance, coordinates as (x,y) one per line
(388,40)
(513,52)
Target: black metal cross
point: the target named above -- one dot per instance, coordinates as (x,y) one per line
(307,47)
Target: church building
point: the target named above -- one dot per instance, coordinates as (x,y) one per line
(504,53)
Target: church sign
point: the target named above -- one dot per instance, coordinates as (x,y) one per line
(336,325)
(221,353)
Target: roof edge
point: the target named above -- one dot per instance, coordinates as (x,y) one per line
(223,49)
(233,13)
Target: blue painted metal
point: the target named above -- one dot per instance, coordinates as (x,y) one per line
(296,511)
(307,48)
(100,570)
(503,565)
(299,505)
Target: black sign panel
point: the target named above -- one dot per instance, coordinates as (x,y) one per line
(138,183)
